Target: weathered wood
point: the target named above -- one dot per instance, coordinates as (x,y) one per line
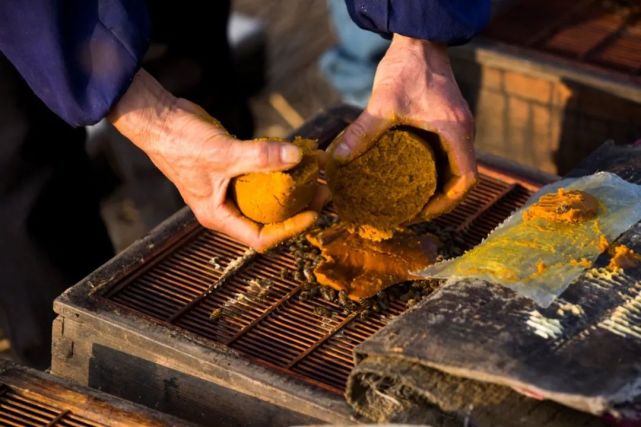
(543,109)
(496,54)
(81,401)
(582,351)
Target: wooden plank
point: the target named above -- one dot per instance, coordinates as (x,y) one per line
(67,398)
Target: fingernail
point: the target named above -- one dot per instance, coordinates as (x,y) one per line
(341,151)
(290,154)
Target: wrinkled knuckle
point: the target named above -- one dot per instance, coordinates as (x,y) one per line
(202,220)
(207,222)
(357,132)
(465,123)
(463,115)
(263,154)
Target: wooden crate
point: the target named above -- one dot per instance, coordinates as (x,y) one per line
(549,82)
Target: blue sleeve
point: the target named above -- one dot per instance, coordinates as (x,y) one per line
(444,21)
(78,56)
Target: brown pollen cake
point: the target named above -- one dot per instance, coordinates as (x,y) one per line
(269,197)
(385,187)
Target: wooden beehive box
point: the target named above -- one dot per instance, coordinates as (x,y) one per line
(141,327)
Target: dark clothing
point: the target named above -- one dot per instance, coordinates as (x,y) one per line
(51,232)
(196,32)
(79,56)
(445,21)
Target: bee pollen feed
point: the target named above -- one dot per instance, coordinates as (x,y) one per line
(386,186)
(269,197)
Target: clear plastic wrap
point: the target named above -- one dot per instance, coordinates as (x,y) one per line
(539,258)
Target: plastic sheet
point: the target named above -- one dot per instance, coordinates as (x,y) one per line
(540,258)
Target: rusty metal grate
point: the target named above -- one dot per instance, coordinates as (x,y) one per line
(583,30)
(276,329)
(19,410)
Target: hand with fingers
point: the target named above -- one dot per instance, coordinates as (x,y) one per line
(414,85)
(198,155)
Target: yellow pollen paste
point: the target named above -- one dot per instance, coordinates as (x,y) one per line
(541,249)
(570,206)
(269,197)
(362,268)
(623,258)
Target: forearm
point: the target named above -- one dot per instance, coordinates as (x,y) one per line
(144,112)
(434,55)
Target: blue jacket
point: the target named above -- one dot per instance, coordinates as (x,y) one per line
(79,56)
(445,21)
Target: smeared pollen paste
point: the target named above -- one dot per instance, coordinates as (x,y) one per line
(539,250)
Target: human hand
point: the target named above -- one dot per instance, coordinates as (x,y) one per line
(198,155)
(414,85)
